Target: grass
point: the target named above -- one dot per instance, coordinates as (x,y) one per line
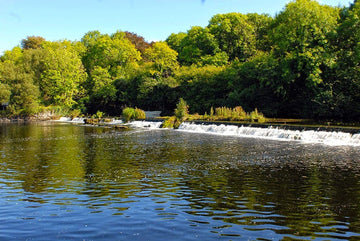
(230,114)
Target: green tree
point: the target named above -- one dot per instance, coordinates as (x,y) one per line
(115,52)
(5,93)
(24,95)
(197,46)
(182,110)
(235,35)
(344,90)
(103,91)
(163,57)
(262,25)
(203,87)
(174,41)
(300,43)
(251,84)
(63,76)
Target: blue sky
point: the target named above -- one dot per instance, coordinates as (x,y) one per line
(153,19)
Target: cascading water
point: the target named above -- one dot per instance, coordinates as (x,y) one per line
(333,138)
(308,136)
(79,120)
(74,120)
(145,124)
(64,119)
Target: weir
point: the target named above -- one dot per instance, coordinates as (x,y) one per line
(334,136)
(306,135)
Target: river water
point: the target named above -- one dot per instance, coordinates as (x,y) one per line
(72,182)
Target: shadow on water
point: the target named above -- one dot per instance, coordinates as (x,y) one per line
(62,179)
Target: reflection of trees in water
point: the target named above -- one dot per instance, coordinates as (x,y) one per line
(236,181)
(303,193)
(43,157)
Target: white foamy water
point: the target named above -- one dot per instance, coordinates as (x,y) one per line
(77,120)
(307,136)
(115,122)
(64,119)
(145,124)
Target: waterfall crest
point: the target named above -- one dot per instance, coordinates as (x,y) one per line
(333,138)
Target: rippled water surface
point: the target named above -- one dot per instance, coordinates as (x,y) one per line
(70,182)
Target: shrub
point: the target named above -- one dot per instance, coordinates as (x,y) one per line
(257,116)
(238,113)
(133,114)
(139,114)
(99,114)
(223,112)
(75,113)
(182,109)
(171,122)
(128,114)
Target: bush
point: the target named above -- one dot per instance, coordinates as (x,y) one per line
(99,114)
(75,113)
(139,114)
(257,116)
(128,114)
(171,122)
(238,113)
(133,114)
(182,110)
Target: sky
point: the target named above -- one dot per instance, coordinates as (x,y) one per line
(154,20)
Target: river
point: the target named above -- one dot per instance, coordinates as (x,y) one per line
(61,181)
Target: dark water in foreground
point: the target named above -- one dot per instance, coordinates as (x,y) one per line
(67,182)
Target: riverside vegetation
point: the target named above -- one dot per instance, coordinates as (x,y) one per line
(220,114)
(301,63)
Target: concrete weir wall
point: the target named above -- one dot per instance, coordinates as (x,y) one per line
(152,114)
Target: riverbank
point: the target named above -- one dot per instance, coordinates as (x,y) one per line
(118,123)
(23,119)
(284,124)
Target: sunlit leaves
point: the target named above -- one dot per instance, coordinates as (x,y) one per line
(63,74)
(32,42)
(103,87)
(5,93)
(115,52)
(163,57)
(235,35)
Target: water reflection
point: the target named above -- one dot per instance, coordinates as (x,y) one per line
(157,183)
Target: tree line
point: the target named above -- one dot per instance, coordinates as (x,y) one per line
(302,63)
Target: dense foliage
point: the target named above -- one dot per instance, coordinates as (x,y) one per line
(302,63)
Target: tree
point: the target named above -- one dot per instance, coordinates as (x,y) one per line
(181,110)
(115,52)
(63,76)
(345,89)
(203,87)
(174,41)
(163,57)
(32,42)
(17,86)
(197,46)
(300,42)
(5,93)
(103,91)
(139,42)
(234,34)
(251,84)
(261,24)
